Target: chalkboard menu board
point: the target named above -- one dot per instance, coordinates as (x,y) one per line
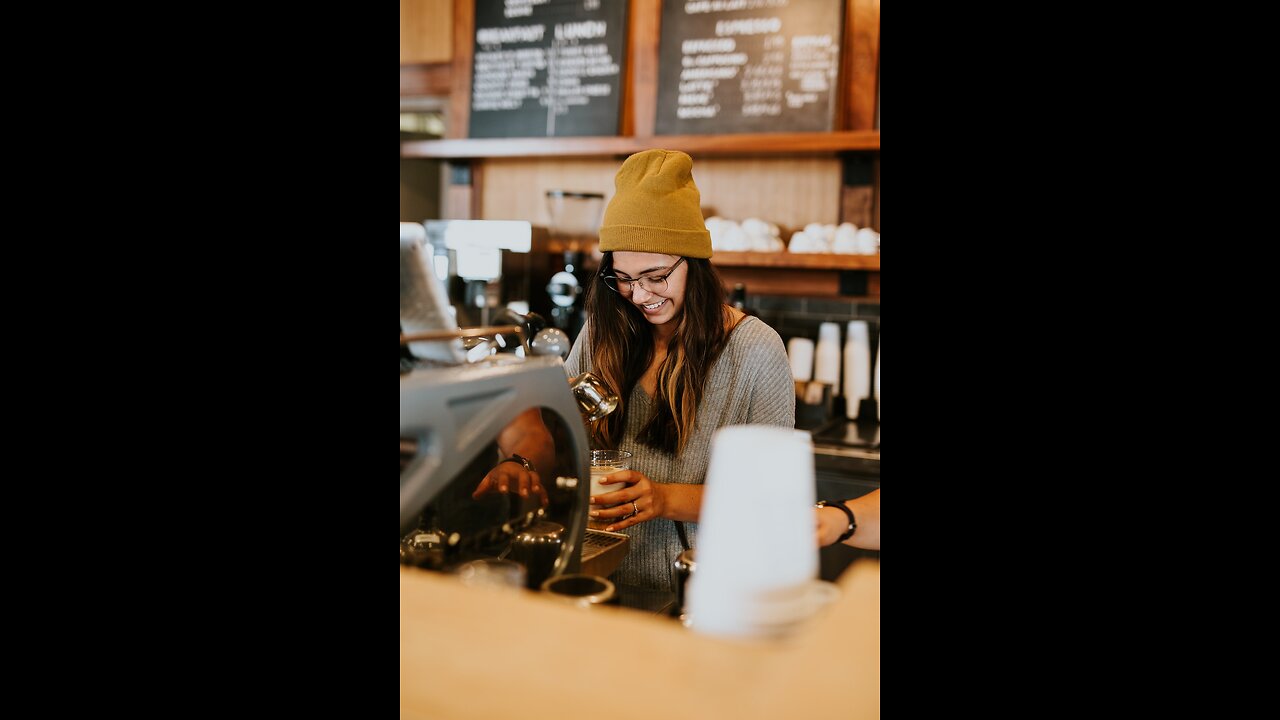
(727,66)
(547,68)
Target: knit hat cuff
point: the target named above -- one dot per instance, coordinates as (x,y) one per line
(642,238)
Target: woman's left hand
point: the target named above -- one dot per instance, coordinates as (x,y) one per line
(640,501)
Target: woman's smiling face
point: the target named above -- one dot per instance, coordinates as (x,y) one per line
(659,302)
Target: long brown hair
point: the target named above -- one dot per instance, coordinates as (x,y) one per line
(622,347)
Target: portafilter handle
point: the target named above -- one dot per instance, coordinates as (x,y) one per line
(531,322)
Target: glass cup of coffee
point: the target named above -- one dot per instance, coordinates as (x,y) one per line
(603,464)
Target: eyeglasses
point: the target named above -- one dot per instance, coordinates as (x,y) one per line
(653,283)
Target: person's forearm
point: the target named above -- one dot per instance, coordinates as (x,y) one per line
(866,510)
(528,436)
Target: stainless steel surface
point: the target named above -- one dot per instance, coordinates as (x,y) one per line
(848,452)
(845,438)
(583,590)
(551,341)
(603,551)
(406,338)
(452,416)
(595,399)
(682,569)
(538,547)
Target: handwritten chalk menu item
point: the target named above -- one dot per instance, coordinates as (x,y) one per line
(740,66)
(547,68)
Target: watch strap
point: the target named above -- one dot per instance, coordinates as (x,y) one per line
(522,460)
(853,523)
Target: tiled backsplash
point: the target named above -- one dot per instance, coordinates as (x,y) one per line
(800,316)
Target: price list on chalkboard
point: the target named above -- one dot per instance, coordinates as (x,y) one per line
(727,66)
(547,68)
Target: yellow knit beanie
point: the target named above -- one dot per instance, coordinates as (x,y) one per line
(656,208)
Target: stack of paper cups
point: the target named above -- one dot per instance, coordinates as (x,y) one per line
(800,351)
(757,557)
(877,380)
(857,367)
(826,363)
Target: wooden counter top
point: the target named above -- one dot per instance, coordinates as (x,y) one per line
(481,653)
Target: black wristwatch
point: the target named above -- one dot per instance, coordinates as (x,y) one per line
(853,523)
(523,461)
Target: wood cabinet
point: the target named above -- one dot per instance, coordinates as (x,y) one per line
(800,274)
(426,31)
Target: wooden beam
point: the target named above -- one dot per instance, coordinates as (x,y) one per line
(641,109)
(458,123)
(860,63)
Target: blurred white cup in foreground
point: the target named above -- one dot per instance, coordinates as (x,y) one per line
(757,554)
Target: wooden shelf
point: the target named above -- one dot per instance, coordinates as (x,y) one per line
(807,261)
(745,144)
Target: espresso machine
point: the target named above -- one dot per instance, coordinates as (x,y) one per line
(452,416)
(453,407)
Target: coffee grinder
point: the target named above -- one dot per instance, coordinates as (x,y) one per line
(575,225)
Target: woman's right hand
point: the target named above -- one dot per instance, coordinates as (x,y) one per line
(640,500)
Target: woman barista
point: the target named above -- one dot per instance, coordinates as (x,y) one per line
(684,363)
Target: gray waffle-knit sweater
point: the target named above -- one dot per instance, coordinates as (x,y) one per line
(750,384)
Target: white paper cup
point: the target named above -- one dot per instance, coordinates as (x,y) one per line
(757,558)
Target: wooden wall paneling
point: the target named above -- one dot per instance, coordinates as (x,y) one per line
(457,202)
(782,281)
(860,63)
(640,111)
(788,192)
(435,79)
(517,189)
(791,282)
(464,28)
(426,31)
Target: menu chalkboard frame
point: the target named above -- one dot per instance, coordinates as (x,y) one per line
(516,53)
(720,70)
